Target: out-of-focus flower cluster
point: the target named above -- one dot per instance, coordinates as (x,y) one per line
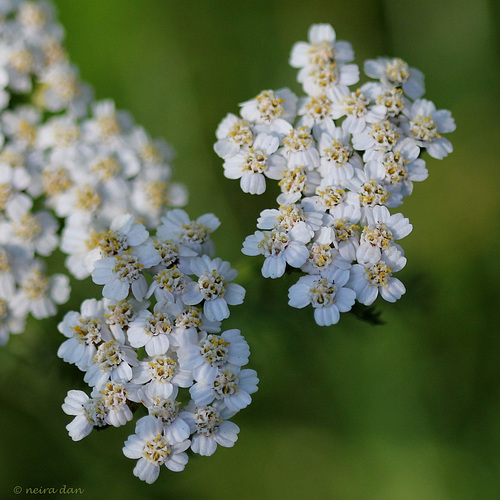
(154,339)
(342,156)
(62,155)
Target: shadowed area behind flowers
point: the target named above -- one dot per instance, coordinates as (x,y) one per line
(409,409)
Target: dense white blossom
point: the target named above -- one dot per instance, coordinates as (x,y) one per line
(154,352)
(348,156)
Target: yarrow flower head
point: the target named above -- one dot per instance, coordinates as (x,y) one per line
(153,339)
(346,155)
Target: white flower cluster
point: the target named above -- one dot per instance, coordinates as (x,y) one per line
(109,167)
(60,150)
(155,339)
(342,157)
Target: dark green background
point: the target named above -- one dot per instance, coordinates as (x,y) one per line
(408,410)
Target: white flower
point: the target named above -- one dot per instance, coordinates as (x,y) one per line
(370,279)
(210,429)
(120,313)
(269,106)
(212,352)
(107,125)
(402,167)
(322,256)
(85,332)
(256,163)
(329,196)
(162,375)
(89,413)
(12,181)
(39,293)
(63,90)
(119,275)
(195,234)
(36,232)
(114,396)
(379,234)
(153,450)
(110,167)
(168,285)
(369,184)
(189,318)
(19,61)
(124,234)
(314,111)
(323,61)
(166,410)
(150,151)
(390,97)
(396,73)
(61,135)
(326,293)
(278,249)
(21,125)
(112,361)
(425,125)
(213,287)
(376,139)
(342,230)
(322,47)
(26,165)
(356,108)
(299,222)
(84,199)
(80,236)
(318,79)
(55,180)
(231,387)
(151,331)
(12,260)
(338,159)
(9,323)
(299,147)
(233,134)
(36,20)
(295,183)
(151,196)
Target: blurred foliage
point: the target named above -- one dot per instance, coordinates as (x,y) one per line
(407,410)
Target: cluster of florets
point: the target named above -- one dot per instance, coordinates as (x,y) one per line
(352,154)
(109,167)
(62,153)
(154,339)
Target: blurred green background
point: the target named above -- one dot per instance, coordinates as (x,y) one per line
(408,410)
